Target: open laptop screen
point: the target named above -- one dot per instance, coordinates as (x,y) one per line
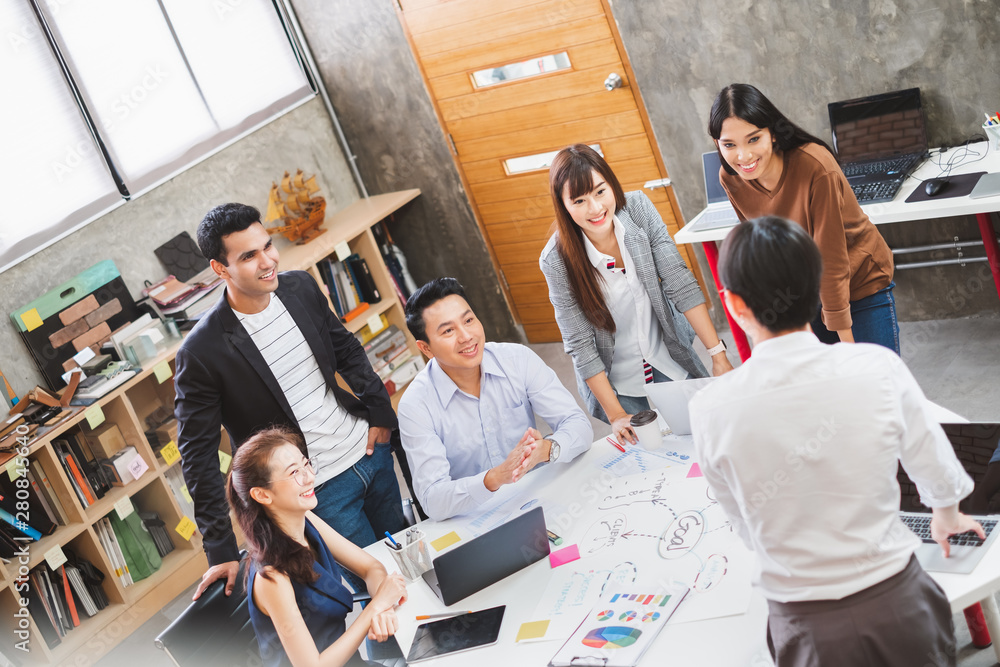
(974,445)
(713,188)
(878,126)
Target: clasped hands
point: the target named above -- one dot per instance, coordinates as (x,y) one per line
(530,450)
(390,594)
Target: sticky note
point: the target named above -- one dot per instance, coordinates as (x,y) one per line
(170,453)
(695,470)
(342,249)
(186,528)
(55,557)
(532,630)
(124,507)
(14,470)
(375,324)
(94,416)
(137,466)
(445,541)
(32,320)
(224,461)
(162,371)
(186,494)
(563,556)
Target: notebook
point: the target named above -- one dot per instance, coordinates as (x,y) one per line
(719,212)
(485,560)
(974,444)
(879,140)
(671,400)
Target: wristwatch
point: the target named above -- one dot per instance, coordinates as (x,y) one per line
(721,347)
(554,450)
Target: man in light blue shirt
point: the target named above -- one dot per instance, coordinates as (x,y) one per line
(467,420)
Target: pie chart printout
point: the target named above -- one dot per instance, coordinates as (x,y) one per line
(605,615)
(611,637)
(650,616)
(627,616)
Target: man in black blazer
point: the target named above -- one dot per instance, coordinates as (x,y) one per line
(267,355)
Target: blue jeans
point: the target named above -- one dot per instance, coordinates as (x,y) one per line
(874,321)
(636,404)
(363,502)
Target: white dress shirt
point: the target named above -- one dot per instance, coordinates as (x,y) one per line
(637,336)
(452,439)
(801,446)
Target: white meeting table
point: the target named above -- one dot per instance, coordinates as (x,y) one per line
(737,640)
(885,213)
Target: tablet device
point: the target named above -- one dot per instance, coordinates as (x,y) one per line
(455,634)
(988,186)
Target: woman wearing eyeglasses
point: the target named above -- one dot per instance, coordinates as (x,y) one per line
(297,599)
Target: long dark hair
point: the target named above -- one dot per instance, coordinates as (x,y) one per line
(743,101)
(575,166)
(268,543)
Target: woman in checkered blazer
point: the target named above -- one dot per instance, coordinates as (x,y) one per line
(618,286)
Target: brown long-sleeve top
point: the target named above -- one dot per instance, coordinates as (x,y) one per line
(814,192)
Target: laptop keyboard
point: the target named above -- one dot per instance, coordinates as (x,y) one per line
(921,525)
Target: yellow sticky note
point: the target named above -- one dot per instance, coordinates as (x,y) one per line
(186,494)
(32,320)
(224,461)
(186,528)
(342,249)
(55,557)
(170,453)
(124,507)
(445,541)
(375,324)
(94,416)
(532,630)
(162,371)
(13,470)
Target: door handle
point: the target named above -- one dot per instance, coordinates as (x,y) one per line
(613,81)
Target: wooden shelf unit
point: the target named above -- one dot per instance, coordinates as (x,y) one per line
(127,406)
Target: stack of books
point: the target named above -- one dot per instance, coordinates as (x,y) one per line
(392,358)
(350,285)
(57,599)
(44,513)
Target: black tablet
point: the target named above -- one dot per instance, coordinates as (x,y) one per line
(458,633)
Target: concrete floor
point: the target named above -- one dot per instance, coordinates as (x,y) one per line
(956,362)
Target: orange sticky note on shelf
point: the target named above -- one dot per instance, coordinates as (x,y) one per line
(565,555)
(445,541)
(186,528)
(32,320)
(532,630)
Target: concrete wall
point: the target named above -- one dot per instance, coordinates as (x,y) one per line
(390,124)
(128,235)
(804,54)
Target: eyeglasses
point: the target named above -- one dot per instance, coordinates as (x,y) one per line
(299,474)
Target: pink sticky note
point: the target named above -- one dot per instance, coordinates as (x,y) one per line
(565,555)
(695,470)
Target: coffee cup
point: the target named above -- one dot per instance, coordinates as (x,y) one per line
(647,430)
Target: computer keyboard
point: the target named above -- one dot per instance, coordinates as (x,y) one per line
(921,525)
(891,167)
(874,193)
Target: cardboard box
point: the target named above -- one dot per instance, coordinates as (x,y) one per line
(106,440)
(121,461)
(167,432)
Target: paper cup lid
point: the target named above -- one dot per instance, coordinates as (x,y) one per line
(643,418)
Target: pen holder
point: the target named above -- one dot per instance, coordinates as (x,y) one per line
(992,136)
(413,558)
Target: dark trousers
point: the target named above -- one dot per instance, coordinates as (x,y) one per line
(904,621)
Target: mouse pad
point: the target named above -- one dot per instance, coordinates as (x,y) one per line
(959,185)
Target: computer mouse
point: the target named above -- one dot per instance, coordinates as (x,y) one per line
(935,185)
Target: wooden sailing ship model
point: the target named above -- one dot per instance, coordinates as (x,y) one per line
(295,209)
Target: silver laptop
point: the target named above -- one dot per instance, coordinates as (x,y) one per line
(671,400)
(719,212)
(973,444)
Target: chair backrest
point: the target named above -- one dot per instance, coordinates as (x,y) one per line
(214,630)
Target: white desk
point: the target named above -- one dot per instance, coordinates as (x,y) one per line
(733,640)
(892,212)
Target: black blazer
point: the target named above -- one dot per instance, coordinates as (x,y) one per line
(222,380)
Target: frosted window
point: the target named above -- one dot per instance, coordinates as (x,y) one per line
(520,165)
(521,70)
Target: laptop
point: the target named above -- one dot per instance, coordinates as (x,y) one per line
(671,400)
(719,212)
(879,140)
(974,444)
(485,560)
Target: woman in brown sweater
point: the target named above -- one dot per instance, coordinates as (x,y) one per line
(770,166)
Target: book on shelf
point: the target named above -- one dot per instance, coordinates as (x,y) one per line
(45,487)
(158,531)
(80,590)
(67,593)
(136,545)
(110,545)
(41,611)
(12,499)
(325,267)
(73,471)
(363,279)
(19,525)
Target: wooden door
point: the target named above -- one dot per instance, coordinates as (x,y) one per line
(553,57)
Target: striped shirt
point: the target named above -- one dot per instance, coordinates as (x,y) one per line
(335,437)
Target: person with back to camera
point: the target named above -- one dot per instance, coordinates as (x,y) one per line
(296,598)
(770,166)
(801,447)
(618,284)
